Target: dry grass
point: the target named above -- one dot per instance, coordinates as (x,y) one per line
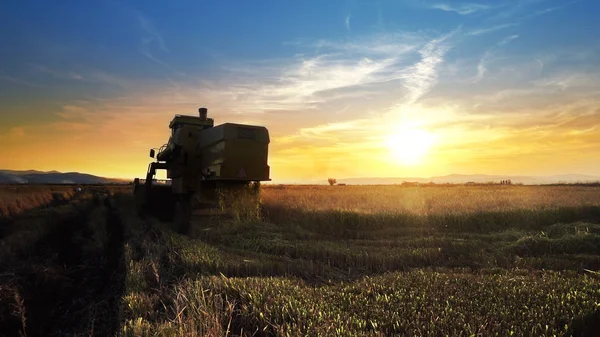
(373,261)
(16,199)
(378,212)
(355,261)
(60,268)
(417,200)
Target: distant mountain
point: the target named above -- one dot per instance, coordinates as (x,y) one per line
(464,178)
(478,178)
(7,178)
(53,177)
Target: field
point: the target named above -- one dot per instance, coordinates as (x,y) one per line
(15,199)
(316,260)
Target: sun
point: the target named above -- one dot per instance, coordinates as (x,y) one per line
(409,146)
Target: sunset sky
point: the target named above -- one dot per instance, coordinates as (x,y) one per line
(346,88)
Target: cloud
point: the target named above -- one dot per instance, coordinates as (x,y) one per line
(150,37)
(56,73)
(482,31)
(347,21)
(152,34)
(526,9)
(507,40)
(330,103)
(349,69)
(16,132)
(86,76)
(19,81)
(568,81)
(462,9)
(324,130)
(404,64)
(421,77)
(337,84)
(481,67)
(377,44)
(152,42)
(544,11)
(103,77)
(345,78)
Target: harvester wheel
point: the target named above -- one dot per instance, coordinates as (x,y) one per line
(183,212)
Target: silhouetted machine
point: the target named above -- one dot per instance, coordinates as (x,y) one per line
(203,162)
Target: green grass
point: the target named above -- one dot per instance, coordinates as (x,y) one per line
(315,272)
(419,303)
(446,261)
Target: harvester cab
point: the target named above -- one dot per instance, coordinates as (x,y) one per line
(208,168)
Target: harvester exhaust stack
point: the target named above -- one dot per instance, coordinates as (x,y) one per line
(202,161)
(203,113)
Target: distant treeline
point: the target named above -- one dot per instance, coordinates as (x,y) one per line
(587,183)
(432,184)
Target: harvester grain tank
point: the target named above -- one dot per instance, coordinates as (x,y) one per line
(202,161)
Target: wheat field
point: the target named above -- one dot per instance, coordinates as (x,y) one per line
(316,260)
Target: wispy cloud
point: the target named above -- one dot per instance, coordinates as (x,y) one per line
(526,9)
(396,67)
(568,81)
(56,73)
(340,69)
(150,37)
(325,130)
(152,44)
(541,12)
(342,78)
(507,40)
(347,21)
(330,102)
(421,77)
(19,81)
(85,75)
(462,8)
(481,66)
(482,31)
(152,34)
(16,132)
(377,44)
(351,69)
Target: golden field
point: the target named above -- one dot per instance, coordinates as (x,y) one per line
(15,199)
(422,200)
(457,260)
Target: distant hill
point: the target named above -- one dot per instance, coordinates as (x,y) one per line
(478,178)
(462,179)
(53,177)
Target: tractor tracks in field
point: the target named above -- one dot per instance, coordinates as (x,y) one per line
(8,221)
(115,266)
(70,281)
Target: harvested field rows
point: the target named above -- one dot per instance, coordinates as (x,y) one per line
(62,273)
(456,260)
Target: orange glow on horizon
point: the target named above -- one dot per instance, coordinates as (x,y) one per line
(421,142)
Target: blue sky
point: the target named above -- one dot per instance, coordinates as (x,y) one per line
(331,79)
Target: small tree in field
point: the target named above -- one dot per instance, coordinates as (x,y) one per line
(331,181)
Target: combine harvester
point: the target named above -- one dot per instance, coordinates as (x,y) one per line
(210,170)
